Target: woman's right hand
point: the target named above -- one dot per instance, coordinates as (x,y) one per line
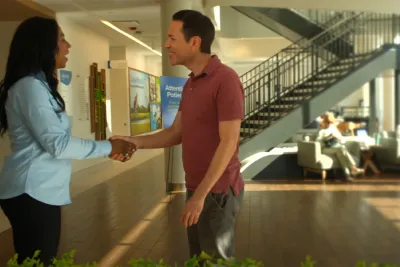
(121,149)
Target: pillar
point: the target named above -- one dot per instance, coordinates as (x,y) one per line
(388,101)
(397,98)
(175,175)
(373,107)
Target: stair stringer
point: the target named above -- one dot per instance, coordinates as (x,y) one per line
(288,125)
(273,25)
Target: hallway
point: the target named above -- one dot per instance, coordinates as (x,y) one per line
(280,223)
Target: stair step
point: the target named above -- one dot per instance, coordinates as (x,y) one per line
(280,105)
(296,99)
(265,116)
(326,78)
(312,83)
(245,132)
(328,73)
(292,98)
(359,57)
(341,67)
(310,86)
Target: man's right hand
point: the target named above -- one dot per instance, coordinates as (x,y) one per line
(122,150)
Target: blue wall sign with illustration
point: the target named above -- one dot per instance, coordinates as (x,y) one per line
(171,94)
(65,77)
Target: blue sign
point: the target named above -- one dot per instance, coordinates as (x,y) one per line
(65,77)
(171,94)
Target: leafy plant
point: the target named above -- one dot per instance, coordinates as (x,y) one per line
(308,263)
(203,260)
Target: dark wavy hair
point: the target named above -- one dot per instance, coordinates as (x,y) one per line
(33,50)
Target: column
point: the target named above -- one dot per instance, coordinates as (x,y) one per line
(373,101)
(174,173)
(388,101)
(396,98)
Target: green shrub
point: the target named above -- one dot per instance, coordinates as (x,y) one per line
(204,260)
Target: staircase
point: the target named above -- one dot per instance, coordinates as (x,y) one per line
(289,90)
(297,24)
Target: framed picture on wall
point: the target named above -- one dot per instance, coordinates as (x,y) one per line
(139,95)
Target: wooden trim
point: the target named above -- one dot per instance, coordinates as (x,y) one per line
(38,7)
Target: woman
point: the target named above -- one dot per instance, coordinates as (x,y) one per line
(34,182)
(331,140)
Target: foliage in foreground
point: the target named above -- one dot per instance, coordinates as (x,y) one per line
(204,260)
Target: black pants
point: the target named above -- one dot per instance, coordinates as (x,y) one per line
(214,233)
(35,226)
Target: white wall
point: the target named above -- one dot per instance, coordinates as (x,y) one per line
(87,47)
(236,25)
(140,60)
(153,65)
(353,99)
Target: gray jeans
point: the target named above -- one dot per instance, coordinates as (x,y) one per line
(214,233)
(345,159)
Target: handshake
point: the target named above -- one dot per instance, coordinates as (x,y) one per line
(122,148)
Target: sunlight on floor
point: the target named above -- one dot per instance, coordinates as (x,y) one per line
(364,185)
(114,255)
(389,208)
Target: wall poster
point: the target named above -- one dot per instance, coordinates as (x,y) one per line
(171,94)
(139,84)
(155,103)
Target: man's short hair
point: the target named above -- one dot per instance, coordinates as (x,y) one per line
(196,24)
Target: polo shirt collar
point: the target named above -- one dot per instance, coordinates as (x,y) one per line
(210,67)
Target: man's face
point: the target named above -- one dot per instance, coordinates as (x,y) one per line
(179,51)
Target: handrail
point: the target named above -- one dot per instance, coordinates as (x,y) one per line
(286,83)
(303,42)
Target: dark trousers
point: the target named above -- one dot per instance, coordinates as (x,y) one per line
(214,233)
(35,226)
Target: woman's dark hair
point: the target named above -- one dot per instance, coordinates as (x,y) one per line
(33,50)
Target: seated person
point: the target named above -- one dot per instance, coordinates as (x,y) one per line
(332,141)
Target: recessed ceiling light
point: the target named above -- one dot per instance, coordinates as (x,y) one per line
(112,26)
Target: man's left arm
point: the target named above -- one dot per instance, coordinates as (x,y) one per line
(229,132)
(229,102)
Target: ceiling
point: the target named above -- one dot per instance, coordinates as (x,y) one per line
(144,15)
(17,10)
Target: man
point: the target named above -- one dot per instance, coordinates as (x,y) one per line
(208,126)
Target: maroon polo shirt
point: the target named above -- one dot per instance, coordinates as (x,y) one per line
(213,96)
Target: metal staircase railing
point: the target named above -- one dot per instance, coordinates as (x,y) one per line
(323,18)
(260,70)
(280,85)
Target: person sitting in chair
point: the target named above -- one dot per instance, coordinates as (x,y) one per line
(332,141)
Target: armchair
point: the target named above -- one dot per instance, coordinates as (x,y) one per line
(311,158)
(388,153)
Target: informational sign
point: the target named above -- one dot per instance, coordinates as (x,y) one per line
(84,100)
(171,95)
(65,89)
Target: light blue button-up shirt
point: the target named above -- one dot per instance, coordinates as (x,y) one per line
(41,144)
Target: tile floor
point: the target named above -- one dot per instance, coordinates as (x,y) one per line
(280,223)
